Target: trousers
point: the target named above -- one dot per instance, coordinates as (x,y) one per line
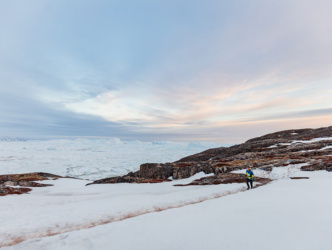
(249,181)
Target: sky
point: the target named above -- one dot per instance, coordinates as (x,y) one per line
(188,70)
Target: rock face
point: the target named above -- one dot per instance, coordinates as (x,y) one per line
(312,147)
(155,171)
(9,183)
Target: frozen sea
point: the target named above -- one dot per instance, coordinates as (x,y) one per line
(89,158)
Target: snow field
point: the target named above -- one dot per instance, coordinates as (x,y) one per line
(70,205)
(283,215)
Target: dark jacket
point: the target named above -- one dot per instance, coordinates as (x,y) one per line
(250,174)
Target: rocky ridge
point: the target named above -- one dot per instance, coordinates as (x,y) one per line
(311,147)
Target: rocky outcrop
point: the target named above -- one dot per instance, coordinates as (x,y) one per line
(155,171)
(127,179)
(5,190)
(323,165)
(278,149)
(224,179)
(9,183)
(29,177)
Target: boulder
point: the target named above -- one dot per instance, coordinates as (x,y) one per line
(155,171)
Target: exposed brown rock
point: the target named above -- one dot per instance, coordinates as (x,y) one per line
(224,179)
(4,190)
(323,164)
(127,179)
(9,182)
(28,177)
(155,171)
(185,170)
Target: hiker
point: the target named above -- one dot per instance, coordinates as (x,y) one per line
(250,177)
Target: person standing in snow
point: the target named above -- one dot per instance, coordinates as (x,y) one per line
(250,177)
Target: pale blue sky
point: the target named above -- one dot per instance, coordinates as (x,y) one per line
(164,70)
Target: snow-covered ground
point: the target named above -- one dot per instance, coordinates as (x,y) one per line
(314,140)
(285,214)
(89,158)
(300,141)
(70,205)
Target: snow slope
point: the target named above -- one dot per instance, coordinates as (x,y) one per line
(70,205)
(285,214)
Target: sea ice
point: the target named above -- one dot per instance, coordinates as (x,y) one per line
(89,158)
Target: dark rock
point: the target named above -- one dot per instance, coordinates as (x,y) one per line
(203,156)
(224,179)
(267,168)
(5,190)
(126,179)
(28,177)
(318,165)
(133,174)
(156,171)
(185,170)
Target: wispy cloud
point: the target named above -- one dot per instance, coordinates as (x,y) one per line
(146,69)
